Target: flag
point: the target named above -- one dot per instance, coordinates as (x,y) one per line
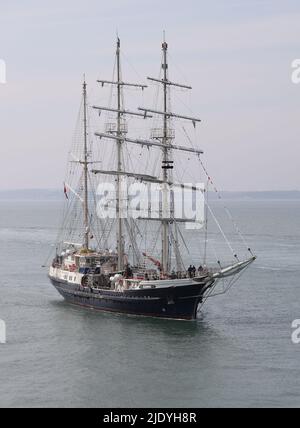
(65,191)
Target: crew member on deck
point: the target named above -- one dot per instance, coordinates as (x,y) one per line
(200,269)
(128,271)
(193,271)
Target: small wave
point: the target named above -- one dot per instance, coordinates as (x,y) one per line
(275,268)
(27,234)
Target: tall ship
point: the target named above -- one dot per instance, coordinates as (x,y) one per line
(137,220)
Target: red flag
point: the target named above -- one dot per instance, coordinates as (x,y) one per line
(65,191)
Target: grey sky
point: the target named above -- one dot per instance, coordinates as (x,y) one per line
(236,54)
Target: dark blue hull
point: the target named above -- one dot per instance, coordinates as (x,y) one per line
(172,302)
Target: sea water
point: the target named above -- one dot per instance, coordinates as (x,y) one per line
(239,353)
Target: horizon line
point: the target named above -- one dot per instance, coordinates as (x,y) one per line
(56,189)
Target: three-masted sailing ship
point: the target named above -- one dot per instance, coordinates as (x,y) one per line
(119,265)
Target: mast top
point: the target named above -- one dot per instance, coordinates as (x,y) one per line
(164,44)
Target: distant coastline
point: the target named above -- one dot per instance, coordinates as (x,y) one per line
(55,194)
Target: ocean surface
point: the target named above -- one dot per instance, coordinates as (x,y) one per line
(239,353)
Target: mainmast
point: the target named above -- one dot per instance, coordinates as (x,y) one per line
(85,171)
(119,137)
(166,165)
(120,243)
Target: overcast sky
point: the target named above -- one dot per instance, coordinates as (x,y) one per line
(236,54)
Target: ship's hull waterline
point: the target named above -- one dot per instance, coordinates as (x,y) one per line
(171,302)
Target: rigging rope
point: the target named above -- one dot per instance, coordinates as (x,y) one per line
(219,196)
(224,206)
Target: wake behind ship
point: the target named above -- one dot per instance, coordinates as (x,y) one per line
(126,264)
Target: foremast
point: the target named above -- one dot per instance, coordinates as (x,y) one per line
(165,166)
(167,163)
